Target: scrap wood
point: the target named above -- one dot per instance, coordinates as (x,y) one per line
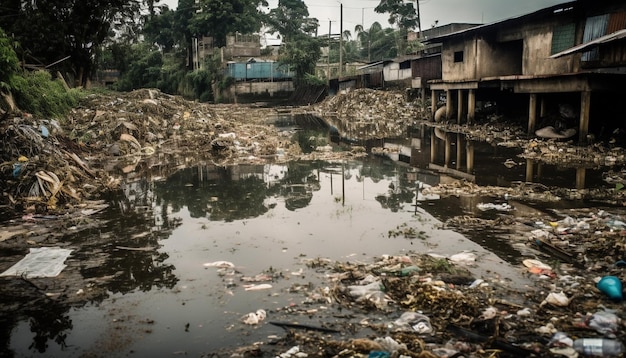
(132,140)
(147,248)
(286,325)
(80,162)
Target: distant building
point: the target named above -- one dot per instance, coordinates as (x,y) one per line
(237,46)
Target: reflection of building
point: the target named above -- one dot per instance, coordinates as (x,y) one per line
(454,154)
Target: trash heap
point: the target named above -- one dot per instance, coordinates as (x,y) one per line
(54,165)
(369,114)
(420,305)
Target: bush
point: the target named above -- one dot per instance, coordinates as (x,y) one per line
(37,93)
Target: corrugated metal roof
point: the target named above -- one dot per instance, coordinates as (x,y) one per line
(373,64)
(619,35)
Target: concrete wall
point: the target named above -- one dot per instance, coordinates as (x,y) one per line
(463,70)
(537,61)
(256,89)
(262,87)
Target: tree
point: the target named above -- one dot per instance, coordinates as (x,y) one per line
(300,50)
(65,34)
(9,63)
(402,14)
(291,17)
(377,43)
(160,29)
(218,18)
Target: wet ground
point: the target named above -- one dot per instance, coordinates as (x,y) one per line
(183,257)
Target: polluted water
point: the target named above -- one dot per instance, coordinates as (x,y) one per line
(219,252)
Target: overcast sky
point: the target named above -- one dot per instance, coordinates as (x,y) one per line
(361,12)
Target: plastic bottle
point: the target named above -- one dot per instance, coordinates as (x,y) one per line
(599,347)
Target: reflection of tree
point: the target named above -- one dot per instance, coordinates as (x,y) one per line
(50,323)
(401,190)
(298,186)
(131,269)
(48,318)
(216,192)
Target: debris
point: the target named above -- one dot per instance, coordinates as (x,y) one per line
(492,206)
(263,286)
(286,325)
(556,299)
(612,287)
(220,264)
(253,318)
(414,322)
(40,262)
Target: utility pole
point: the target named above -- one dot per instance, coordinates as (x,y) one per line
(419,20)
(328,54)
(341,40)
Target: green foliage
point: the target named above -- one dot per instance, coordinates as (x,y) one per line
(173,73)
(51,30)
(310,79)
(404,15)
(291,18)
(400,12)
(143,69)
(197,84)
(218,18)
(38,94)
(301,54)
(377,43)
(9,63)
(225,83)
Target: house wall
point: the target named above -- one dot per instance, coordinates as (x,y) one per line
(452,70)
(522,50)
(392,72)
(537,47)
(428,68)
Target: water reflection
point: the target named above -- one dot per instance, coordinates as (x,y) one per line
(125,250)
(487,163)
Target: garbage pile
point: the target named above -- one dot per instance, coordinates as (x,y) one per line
(420,305)
(369,114)
(52,166)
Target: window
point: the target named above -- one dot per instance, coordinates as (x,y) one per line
(594,27)
(458,56)
(563,37)
(404,65)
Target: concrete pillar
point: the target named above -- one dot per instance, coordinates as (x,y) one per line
(459,112)
(433,146)
(469,155)
(433,104)
(449,104)
(532,113)
(447,150)
(585,105)
(471,106)
(580,178)
(542,107)
(460,146)
(529,170)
